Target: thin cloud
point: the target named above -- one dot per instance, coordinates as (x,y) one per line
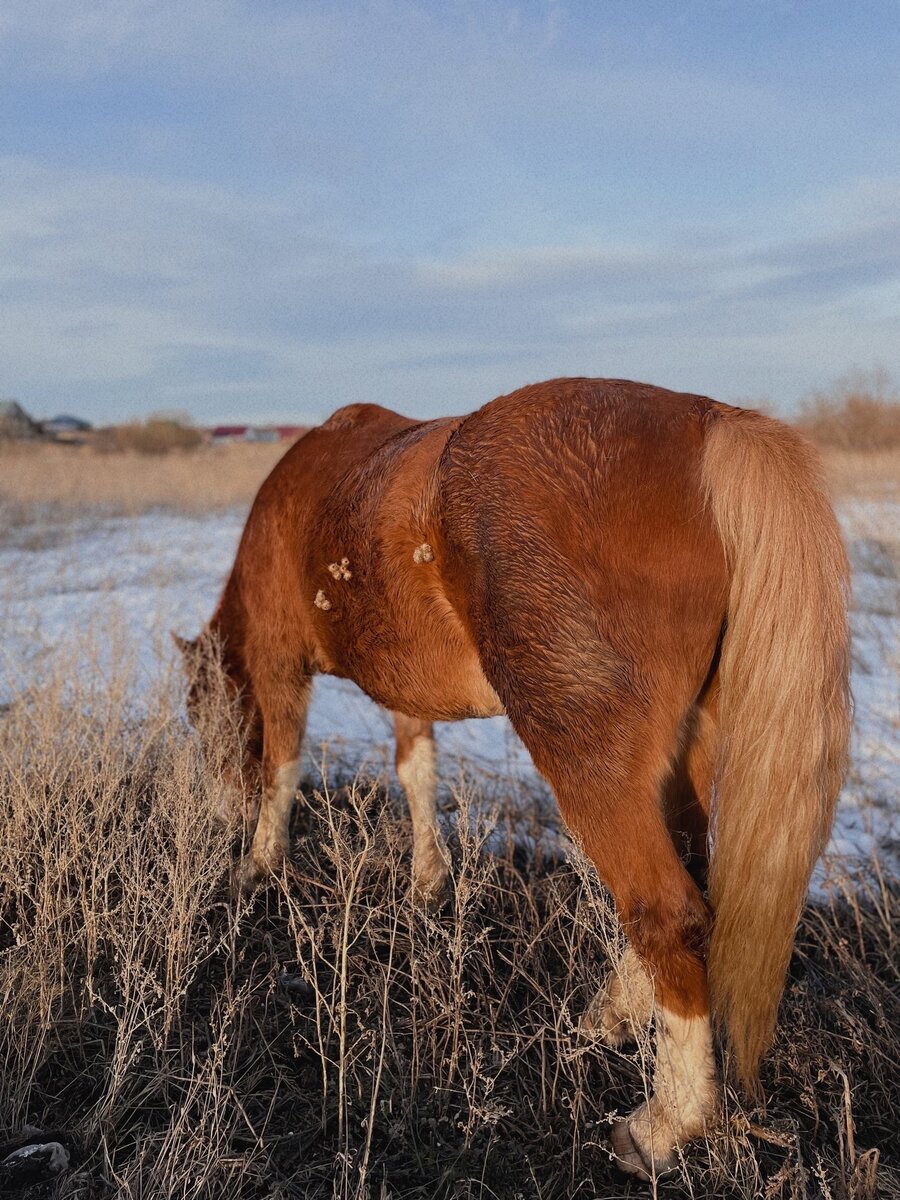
(129,284)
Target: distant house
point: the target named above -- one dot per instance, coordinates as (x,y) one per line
(229,433)
(65,427)
(255,433)
(15,421)
(262,433)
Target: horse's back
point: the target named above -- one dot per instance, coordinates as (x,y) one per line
(317,461)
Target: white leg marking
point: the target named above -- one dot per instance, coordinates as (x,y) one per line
(418,776)
(684,1096)
(271,841)
(685,1071)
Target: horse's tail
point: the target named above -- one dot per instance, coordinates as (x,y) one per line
(784,711)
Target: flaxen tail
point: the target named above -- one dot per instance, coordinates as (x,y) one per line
(784,711)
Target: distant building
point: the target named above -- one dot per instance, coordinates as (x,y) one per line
(255,433)
(65,427)
(228,433)
(15,421)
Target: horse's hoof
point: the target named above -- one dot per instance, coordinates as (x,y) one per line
(430,894)
(246,875)
(627,1154)
(633,1146)
(606,1020)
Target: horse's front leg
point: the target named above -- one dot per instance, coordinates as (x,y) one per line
(283,710)
(415,760)
(236,800)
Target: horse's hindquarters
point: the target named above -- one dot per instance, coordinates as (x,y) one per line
(595,586)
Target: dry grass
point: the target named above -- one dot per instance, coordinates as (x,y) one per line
(873,474)
(72,480)
(328,1038)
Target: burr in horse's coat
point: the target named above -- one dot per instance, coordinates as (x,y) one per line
(652,586)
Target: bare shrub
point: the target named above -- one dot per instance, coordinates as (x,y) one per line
(860,411)
(327,1037)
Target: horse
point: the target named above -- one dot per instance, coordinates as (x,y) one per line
(652,586)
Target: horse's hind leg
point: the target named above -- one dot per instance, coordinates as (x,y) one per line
(607,758)
(416,771)
(283,704)
(624,1005)
(687,794)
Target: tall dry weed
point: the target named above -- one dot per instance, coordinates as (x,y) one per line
(859,412)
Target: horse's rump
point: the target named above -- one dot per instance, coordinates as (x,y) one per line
(574,512)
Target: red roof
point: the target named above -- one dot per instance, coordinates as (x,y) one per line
(241,431)
(230,430)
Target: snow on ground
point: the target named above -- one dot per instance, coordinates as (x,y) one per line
(870,803)
(161,571)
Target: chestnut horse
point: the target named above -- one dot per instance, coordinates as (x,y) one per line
(652,586)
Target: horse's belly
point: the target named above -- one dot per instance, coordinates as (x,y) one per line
(420,689)
(419,677)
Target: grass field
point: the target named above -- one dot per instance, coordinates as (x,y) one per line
(327,1038)
(68,480)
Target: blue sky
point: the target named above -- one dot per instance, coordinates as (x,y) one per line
(263,209)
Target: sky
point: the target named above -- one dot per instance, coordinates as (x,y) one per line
(264,209)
